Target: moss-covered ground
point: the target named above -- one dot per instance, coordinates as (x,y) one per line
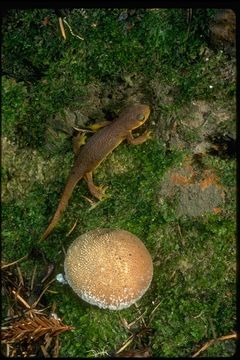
(112,57)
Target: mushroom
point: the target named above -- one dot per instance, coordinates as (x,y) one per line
(109,268)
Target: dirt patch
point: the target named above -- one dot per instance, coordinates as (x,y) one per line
(194,191)
(223,30)
(198,124)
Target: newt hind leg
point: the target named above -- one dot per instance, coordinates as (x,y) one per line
(97,191)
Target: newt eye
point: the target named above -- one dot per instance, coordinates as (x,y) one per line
(140,117)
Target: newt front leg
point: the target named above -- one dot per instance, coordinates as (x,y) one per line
(78,141)
(140,139)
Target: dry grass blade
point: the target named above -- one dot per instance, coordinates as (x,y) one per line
(91,202)
(32,328)
(125,344)
(44,351)
(72,228)
(33,277)
(44,290)
(135,353)
(21,281)
(3,266)
(82,130)
(50,270)
(153,311)
(209,343)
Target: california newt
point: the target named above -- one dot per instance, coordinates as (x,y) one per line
(90,156)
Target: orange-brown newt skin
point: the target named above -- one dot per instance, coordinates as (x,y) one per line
(97,148)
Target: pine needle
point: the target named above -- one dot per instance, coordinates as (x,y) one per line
(209,343)
(62,28)
(13,263)
(72,228)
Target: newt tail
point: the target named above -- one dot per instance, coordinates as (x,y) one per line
(67,192)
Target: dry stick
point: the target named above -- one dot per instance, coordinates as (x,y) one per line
(209,343)
(21,299)
(62,28)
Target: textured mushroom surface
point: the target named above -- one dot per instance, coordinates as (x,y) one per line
(109,268)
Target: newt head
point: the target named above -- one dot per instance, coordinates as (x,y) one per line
(134,116)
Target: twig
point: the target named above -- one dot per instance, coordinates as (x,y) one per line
(21,299)
(62,28)
(209,343)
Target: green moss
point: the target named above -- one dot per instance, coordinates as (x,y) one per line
(194,259)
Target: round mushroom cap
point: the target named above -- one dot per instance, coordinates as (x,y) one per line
(109,268)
